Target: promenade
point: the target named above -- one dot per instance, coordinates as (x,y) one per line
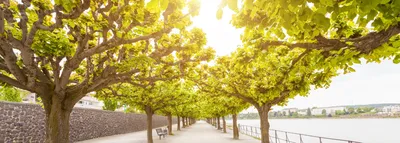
(201,132)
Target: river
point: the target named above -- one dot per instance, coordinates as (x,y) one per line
(363,130)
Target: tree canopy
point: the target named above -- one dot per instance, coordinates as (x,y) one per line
(146,54)
(8,93)
(63,50)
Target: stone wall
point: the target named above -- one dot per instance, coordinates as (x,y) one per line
(20,122)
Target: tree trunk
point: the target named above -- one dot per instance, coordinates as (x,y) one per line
(169,124)
(179,124)
(187,121)
(235,127)
(149,113)
(263,112)
(183,122)
(219,123)
(215,122)
(57,122)
(224,124)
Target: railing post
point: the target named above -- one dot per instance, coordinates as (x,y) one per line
(255,128)
(301,139)
(239,128)
(287,139)
(244,129)
(251,131)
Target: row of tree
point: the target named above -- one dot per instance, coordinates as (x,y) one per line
(146,55)
(291,47)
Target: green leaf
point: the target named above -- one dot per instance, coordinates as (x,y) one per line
(327,2)
(396,44)
(396,59)
(153,6)
(219,13)
(377,23)
(371,15)
(248,4)
(232,4)
(384,1)
(164,4)
(351,69)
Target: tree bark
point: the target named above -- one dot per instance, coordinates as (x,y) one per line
(235,127)
(169,124)
(219,123)
(215,122)
(179,124)
(187,121)
(263,112)
(224,124)
(149,113)
(183,122)
(57,122)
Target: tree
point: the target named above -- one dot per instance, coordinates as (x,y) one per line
(8,93)
(351,110)
(110,105)
(276,114)
(324,112)
(222,105)
(325,27)
(336,28)
(339,112)
(149,99)
(218,104)
(367,109)
(63,50)
(360,110)
(265,78)
(309,112)
(295,114)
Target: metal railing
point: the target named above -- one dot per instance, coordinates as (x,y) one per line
(278,136)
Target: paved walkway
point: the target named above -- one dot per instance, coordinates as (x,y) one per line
(201,132)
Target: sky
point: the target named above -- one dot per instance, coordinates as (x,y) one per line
(371,83)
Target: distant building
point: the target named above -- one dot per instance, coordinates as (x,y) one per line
(86,102)
(30,98)
(329,110)
(289,110)
(302,112)
(391,109)
(90,102)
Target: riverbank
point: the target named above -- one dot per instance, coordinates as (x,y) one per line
(333,117)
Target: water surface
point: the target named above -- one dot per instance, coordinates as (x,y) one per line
(364,130)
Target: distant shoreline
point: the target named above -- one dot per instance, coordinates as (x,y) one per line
(373,117)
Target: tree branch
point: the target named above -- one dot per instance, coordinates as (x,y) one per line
(364,44)
(13,82)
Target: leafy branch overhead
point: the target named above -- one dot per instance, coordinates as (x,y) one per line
(64,49)
(84,46)
(366,27)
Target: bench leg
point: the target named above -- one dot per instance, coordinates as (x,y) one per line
(160,137)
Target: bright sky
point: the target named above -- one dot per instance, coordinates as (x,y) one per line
(371,83)
(221,35)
